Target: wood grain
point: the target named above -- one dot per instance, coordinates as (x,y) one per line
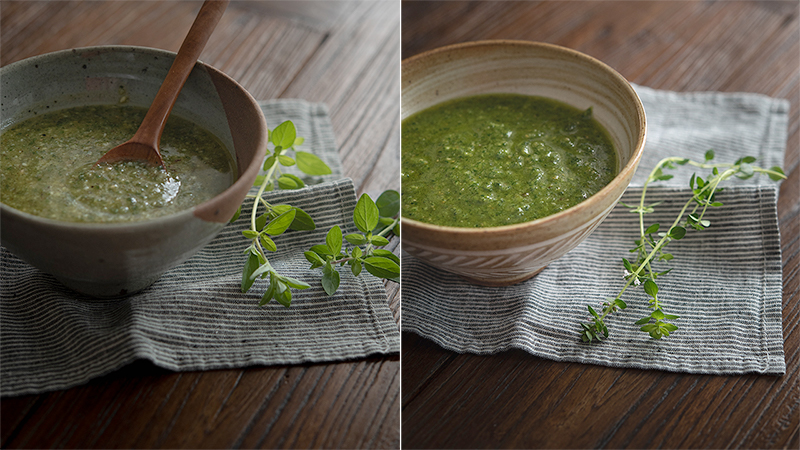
(515,400)
(345,54)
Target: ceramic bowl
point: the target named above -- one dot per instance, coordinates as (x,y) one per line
(512,253)
(108,260)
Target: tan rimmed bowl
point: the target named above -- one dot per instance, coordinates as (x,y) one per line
(509,254)
(116,259)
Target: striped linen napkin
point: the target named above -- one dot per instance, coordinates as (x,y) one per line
(195,317)
(725,283)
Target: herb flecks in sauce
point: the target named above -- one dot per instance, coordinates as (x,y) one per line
(500,159)
(144,187)
(47,167)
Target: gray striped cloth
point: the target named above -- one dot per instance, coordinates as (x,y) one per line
(725,282)
(195,317)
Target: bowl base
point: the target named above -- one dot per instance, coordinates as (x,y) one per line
(499,282)
(107,290)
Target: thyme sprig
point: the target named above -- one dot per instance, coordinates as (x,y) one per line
(268,221)
(651,244)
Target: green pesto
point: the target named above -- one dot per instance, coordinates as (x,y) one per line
(47,167)
(501,159)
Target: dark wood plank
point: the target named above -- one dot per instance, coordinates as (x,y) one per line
(515,400)
(362,93)
(345,54)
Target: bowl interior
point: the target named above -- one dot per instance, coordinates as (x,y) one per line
(133,75)
(106,75)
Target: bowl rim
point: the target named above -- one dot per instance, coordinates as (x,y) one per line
(164,220)
(585,204)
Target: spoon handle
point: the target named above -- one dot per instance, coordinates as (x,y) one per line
(152,126)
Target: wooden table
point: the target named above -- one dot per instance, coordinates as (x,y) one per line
(513,399)
(345,54)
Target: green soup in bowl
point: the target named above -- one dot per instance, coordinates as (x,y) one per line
(519,246)
(500,159)
(48,166)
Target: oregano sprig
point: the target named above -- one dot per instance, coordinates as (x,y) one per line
(650,246)
(268,221)
(375,220)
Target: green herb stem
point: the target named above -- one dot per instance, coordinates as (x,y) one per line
(642,272)
(261,189)
(389,227)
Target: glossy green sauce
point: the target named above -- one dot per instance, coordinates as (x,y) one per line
(501,159)
(47,167)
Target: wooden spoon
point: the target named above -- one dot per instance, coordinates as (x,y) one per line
(143,146)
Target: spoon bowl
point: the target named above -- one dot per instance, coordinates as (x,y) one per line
(133,151)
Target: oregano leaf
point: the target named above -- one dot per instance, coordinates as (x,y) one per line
(294,282)
(267,243)
(677,232)
(261,221)
(280,224)
(236,214)
(381,267)
(628,265)
(284,297)
(779,175)
(334,240)
(302,220)
(299,181)
(651,288)
(355,267)
(285,182)
(283,135)
(386,254)
(365,215)
(268,295)
(314,259)
(250,266)
(378,241)
(263,269)
(356,239)
(286,160)
(321,249)
(310,164)
(330,279)
(388,203)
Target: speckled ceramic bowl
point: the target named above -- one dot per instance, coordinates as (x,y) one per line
(513,253)
(107,260)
